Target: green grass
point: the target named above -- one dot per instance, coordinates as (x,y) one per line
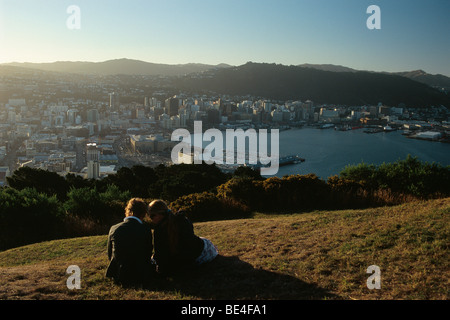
(317,255)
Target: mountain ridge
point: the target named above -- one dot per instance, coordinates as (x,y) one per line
(280,82)
(57,65)
(325,83)
(118,66)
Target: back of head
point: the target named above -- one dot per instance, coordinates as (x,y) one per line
(136,207)
(158,207)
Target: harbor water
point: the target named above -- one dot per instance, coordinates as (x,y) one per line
(326,152)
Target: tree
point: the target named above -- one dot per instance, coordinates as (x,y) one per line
(409,176)
(177,180)
(137,180)
(27,216)
(244,171)
(43,181)
(97,206)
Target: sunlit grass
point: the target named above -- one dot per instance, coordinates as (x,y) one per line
(316,255)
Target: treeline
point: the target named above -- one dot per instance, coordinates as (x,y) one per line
(40,205)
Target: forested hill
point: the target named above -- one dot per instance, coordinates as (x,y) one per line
(280,82)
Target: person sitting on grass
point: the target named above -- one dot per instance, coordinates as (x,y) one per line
(130,247)
(176,245)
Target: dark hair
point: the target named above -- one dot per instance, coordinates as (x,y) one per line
(159,207)
(136,207)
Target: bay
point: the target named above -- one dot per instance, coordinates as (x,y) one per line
(328,151)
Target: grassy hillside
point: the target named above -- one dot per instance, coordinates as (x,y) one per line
(317,255)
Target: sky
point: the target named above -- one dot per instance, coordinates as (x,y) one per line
(414,34)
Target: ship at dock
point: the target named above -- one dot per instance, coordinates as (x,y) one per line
(283,161)
(380,129)
(292,159)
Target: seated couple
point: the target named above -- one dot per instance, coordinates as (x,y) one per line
(131,245)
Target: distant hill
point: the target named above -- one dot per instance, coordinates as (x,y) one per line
(138,67)
(119,66)
(433,80)
(282,82)
(436,80)
(327,67)
(322,83)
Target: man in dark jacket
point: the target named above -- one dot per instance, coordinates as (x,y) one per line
(130,247)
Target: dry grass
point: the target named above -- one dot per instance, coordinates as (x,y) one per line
(317,255)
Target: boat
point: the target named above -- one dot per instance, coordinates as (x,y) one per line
(283,161)
(407,132)
(342,128)
(292,159)
(389,129)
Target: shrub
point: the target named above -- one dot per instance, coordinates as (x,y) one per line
(410,177)
(361,173)
(183,179)
(206,206)
(295,192)
(243,190)
(416,178)
(43,181)
(245,171)
(100,207)
(298,192)
(27,216)
(345,193)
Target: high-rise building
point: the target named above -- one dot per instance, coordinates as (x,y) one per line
(93,158)
(92,115)
(72,115)
(139,113)
(213,116)
(114,101)
(172,105)
(12,117)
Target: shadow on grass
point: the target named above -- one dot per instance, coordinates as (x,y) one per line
(229,278)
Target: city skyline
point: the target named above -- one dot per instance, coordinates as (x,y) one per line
(412,34)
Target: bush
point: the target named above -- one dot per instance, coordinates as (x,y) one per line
(416,178)
(184,179)
(27,216)
(206,206)
(245,190)
(295,192)
(100,207)
(43,181)
(409,177)
(345,193)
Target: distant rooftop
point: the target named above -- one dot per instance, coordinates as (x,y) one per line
(151,137)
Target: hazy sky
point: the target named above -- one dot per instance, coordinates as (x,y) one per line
(414,34)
